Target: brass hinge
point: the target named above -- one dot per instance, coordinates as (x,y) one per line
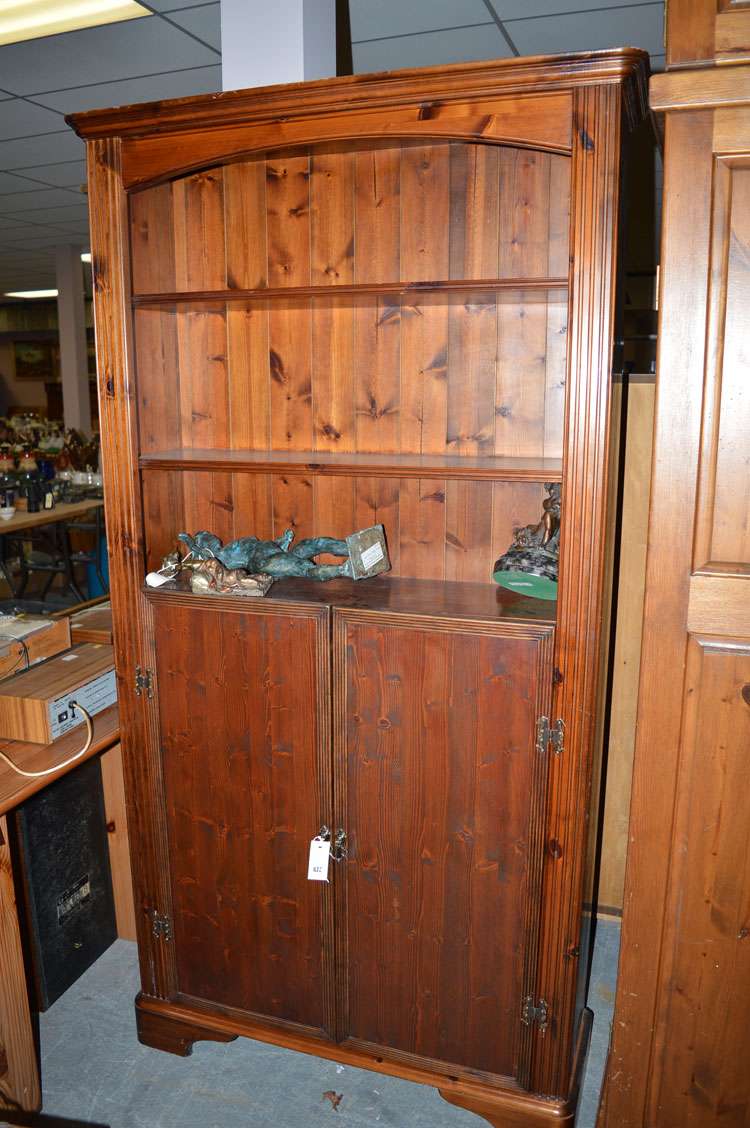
(144,679)
(161,926)
(531,1013)
(554,736)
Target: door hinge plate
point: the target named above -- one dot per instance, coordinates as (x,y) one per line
(554,736)
(531,1013)
(161,926)
(144,679)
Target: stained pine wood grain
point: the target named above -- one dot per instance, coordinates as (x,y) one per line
(20,1087)
(439,840)
(332,205)
(702,1022)
(293,505)
(422,527)
(118,841)
(468,540)
(245,236)
(425,364)
(726,424)
(248,360)
(159,394)
(152,244)
(246,787)
(532,202)
(378,324)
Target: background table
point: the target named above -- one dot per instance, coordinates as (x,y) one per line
(62,519)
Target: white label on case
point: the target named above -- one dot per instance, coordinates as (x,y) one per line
(372,555)
(317,866)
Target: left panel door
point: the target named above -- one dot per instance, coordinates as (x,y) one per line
(244,724)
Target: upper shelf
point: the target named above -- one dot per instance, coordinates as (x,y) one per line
(512,289)
(472,467)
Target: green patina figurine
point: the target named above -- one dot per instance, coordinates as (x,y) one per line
(365,552)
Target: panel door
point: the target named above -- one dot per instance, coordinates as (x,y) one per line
(244,723)
(441,796)
(706,1057)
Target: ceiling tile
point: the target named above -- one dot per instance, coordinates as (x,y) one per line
(430,49)
(66,213)
(19,118)
(128,91)
(33,235)
(63,174)
(9,182)
(37,197)
(28,152)
(123,50)
(512,10)
(394,17)
(204,22)
(170,7)
(589,31)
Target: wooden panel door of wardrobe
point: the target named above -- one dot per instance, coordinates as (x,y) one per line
(440,791)
(244,714)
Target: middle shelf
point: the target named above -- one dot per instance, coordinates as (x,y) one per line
(489,468)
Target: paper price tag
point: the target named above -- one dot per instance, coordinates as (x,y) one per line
(317,866)
(372,555)
(156,579)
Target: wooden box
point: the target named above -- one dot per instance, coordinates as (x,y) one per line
(38,637)
(93,624)
(35,705)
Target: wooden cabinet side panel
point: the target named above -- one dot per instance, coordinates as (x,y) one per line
(443,800)
(118,410)
(244,731)
(594,208)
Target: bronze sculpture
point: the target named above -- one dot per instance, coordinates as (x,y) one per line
(365,552)
(530,565)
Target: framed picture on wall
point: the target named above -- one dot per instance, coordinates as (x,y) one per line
(35,360)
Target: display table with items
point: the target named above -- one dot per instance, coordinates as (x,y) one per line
(62,831)
(41,542)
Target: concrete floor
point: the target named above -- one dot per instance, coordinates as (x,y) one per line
(95,1072)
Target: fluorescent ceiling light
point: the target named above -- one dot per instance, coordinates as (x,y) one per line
(31,294)
(31,19)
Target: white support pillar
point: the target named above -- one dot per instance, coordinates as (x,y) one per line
(71,316)
(265,43)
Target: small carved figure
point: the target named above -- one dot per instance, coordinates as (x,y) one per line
(545,534)
(211,575)
(530,565)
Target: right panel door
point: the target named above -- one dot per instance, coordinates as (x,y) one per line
(441,792)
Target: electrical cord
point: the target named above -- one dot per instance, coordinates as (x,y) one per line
(24,655)
(66,763)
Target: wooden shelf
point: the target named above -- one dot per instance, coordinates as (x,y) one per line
(475,602)
(512,289)
(471,467)
(32,757)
